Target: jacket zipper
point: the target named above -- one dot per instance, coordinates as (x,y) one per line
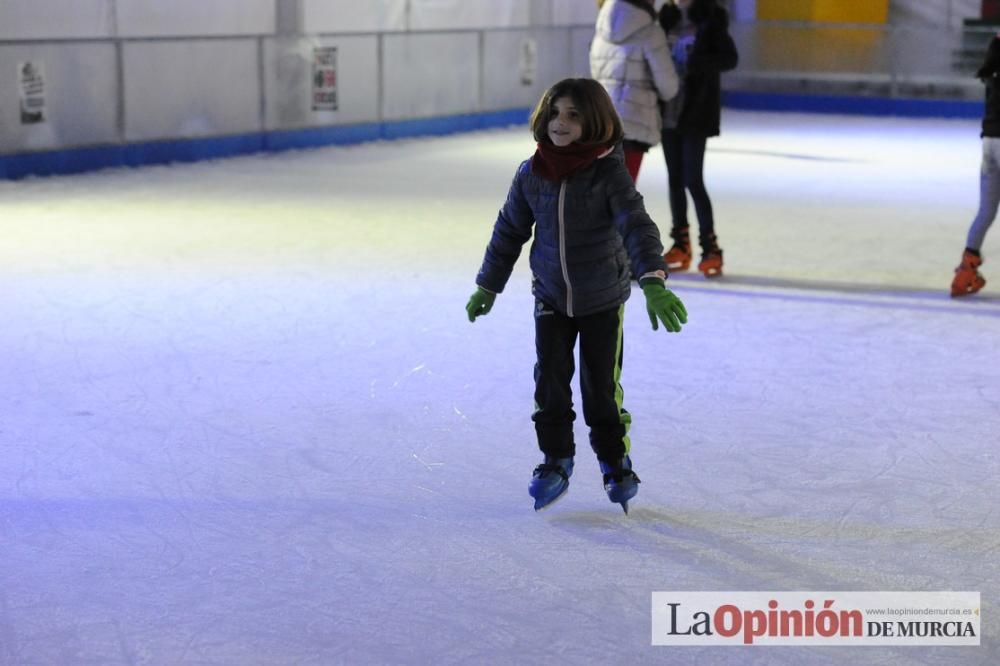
(562,249)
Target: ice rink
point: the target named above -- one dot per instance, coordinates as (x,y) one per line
(246,421)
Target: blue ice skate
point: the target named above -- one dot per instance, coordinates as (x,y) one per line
(620,482)
(550,481)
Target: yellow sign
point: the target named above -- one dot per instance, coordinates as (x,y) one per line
(824,11)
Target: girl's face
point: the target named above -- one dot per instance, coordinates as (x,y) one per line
(565,123)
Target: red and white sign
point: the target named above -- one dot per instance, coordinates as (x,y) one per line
(324,78)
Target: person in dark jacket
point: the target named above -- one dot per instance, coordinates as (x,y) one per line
(967,278)
(698,34)
(591,234)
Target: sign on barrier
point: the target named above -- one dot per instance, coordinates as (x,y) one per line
(31,84)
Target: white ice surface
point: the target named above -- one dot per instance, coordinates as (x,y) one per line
(245,420)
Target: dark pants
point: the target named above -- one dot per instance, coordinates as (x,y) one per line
(600,369)
(685,157)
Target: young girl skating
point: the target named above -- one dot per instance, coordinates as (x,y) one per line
(591,234)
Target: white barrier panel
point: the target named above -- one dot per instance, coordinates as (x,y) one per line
(72,99)
(56,19)
(183,89)
(574,12)
(430,75)
(290,69)
(319,16)
(195,18)
(518,65)
(580,39)
(469,14)
(943,15)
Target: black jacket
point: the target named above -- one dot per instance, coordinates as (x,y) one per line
(989,74)
(589,231)
(713,52)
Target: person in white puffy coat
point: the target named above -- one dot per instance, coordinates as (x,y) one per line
(631,59)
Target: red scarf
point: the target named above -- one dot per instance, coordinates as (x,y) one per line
(554,163)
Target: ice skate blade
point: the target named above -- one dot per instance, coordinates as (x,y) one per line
(542,507)
(620,500)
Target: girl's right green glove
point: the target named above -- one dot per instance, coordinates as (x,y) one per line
(479,303)
(662,304)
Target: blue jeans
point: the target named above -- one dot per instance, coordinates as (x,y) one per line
(989,193)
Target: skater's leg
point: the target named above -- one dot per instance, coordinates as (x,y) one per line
(673,155)
(678,256)
(967,278)
(693,150)
(989,194)
(600,375)
(600,372)
(555,337)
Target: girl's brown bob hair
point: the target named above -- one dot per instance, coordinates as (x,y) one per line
(601,124)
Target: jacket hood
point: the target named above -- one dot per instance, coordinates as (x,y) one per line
(619,20)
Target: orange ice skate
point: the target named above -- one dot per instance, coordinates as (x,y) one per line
(678,257)
(967,278)
(711,257)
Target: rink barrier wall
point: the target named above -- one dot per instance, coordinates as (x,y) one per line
(80,160)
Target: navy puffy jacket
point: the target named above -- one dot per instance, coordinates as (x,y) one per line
(590,231)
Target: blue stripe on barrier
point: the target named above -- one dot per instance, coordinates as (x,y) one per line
(78,160)
(191,150)
(868,106)
(321,136)
(453,124)
(505,118)
(430,126)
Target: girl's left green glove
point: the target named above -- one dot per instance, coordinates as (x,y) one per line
(480,303)
(662,304)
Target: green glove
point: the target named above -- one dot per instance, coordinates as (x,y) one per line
(480,303)
(663,305)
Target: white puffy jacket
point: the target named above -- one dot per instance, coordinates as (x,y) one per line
(631,59)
